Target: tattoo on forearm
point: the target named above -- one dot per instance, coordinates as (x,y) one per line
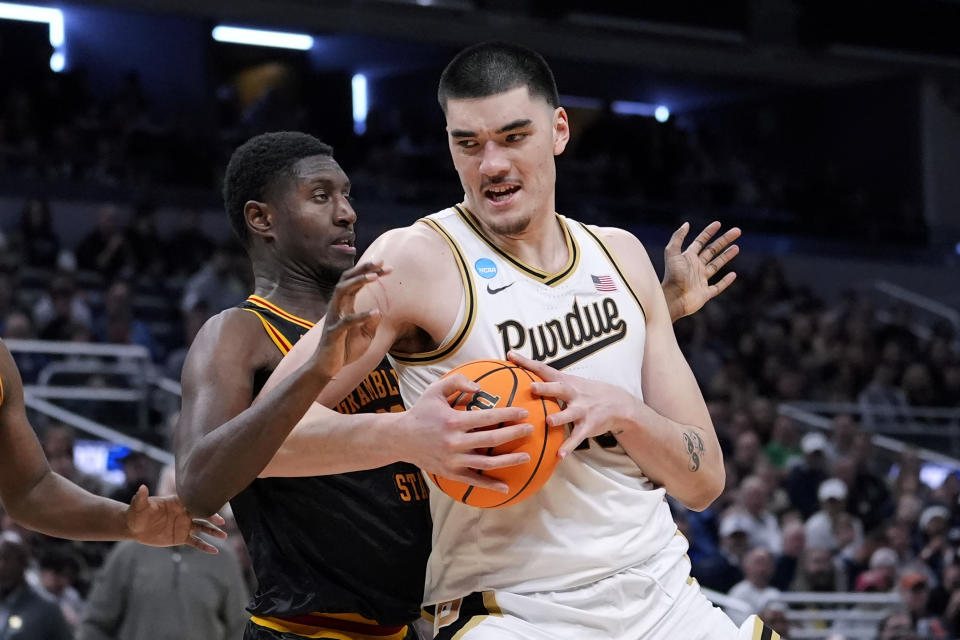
(694,445)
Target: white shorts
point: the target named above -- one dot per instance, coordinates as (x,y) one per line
(656,600)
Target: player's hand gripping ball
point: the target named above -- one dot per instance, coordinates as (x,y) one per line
(504,384)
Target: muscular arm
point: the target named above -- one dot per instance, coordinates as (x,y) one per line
(221,442)
(31,492)
(669,434)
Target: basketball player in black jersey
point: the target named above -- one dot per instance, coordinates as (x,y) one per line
(342,553)
(41,500)
(339,554)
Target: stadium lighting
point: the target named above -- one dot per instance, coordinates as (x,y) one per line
(359,86)
(52,17)
(661,113)
(261,38)
(627,108)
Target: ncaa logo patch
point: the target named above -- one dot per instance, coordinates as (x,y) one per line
(485,267)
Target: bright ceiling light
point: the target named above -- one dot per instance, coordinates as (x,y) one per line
(262,38)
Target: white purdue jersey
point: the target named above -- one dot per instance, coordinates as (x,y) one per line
(598,514)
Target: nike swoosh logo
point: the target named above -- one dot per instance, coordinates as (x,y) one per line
(499,289)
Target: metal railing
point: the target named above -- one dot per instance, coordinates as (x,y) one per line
(817,615)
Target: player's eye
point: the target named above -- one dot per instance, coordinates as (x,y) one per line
(321,196)
(467,144)
(516,137)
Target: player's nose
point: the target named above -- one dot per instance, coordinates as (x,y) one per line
(494,160)
(345,215)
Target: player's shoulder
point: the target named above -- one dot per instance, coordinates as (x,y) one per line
(417,246)
(230,335)
(617,238)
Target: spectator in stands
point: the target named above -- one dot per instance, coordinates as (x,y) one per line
(786,562)
(58,445)
(38,244)
(193,319)
(784,444)
(869,497)
(58,310)
(9,296)
(59,568)
(746,451)
(918,385)
(754,589)
(915,592)
(138,469)
(774,615)
(817,572)
(19,326)
(24,613)
(843,433)
(147,593)
(828,528)
(106,250)
(804,479)
(778,502)
(753,501)
(117,323)
(722,569)
(215,285)
(936,551)
(882,402)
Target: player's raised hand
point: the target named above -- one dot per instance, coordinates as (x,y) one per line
(346,334)
(687,272)
(593,408)
(452,443)
(164,522)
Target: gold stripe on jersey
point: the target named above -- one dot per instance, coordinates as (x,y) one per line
(286,315)
(549,279)
(468,317)
(616,265)
(327,633)
(278,339)
(762,631)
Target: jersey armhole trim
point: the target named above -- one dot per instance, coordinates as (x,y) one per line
(469,316)
(282,343)
(616,265)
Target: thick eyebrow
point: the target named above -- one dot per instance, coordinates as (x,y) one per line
(516,124)
(324,181)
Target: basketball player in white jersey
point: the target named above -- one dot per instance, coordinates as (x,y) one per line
(594,554)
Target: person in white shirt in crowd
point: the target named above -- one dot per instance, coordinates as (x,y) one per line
(753,500)
(829,528)
(754,589)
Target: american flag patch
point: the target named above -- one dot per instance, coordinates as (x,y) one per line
(604,283)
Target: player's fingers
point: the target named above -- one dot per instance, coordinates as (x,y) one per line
(467,420)
(217,519)
(496,437)
(545,371)
(703,237)
(206,547)
(676,239)
(578,435)
(457,383)
(720,287)
(485,463)
(721,260)
(570,415)
(718,245)
(479,480)
(558,390)
(202,526)
(369,266)
(345,293)
(351,320)
(139,500)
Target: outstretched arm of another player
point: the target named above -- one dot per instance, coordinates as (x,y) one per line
(687,272)
(222,443)
(44,501)
(431,435)
(669,434)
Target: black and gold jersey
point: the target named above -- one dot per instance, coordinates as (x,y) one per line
(350,543)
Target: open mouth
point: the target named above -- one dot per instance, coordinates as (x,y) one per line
(501,193)
(345,244)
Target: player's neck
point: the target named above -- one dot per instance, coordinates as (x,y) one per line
(541,245)
(295,293)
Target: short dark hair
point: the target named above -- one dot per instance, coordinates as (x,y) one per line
(490,68)
(257,165)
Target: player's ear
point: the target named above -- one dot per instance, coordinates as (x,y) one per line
(259,218)
(561,130)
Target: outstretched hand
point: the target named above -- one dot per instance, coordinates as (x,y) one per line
(687,272)
(346,334)
(164,522)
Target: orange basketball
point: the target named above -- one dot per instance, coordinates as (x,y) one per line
(504,384)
